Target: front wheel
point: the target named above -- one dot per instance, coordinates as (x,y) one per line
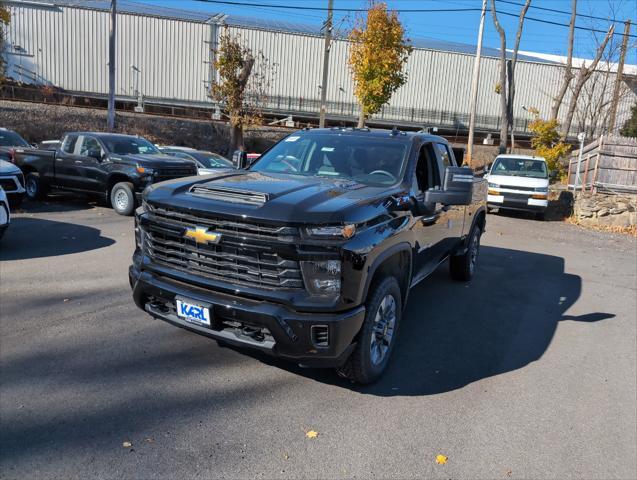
(378,334)
(34,187)
(123,198)
(463,267)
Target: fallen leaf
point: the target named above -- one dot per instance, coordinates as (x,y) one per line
(127,444)
(509,473)
(311,434)
(441,459)
(286,456)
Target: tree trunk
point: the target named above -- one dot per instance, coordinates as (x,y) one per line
(568,70)
(583,75)
(236,138)
(504,113)
(511,69)
(361,119)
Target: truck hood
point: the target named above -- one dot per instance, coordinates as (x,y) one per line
(280,198)
(8,168)
(153,161)
(512,181)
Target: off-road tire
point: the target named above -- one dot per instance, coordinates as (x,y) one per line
(462,267)
(35,189)
(359,367)
(123,198)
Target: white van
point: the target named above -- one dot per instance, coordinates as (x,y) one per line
(518,182)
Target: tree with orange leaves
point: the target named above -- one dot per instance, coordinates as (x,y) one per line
(378,54)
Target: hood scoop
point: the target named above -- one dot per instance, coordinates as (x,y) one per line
(232,195)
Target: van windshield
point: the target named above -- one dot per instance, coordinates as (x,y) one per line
(368,160)
(520,167)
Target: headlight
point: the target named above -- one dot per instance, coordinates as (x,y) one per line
(339,231)
(144,170)
(494,185)
(322,278)
(542,190)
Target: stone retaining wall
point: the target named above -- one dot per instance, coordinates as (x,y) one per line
(605,209)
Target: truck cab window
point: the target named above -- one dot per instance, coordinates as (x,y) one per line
(445,156)
(427,173)
(89,144)
(69,144)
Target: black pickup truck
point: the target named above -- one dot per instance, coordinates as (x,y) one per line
(113,166)
(309,253)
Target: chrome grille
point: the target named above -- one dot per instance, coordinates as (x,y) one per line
(229,261)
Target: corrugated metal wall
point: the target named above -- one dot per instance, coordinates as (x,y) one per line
(68,47)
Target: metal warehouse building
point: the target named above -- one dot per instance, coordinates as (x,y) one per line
(165,56)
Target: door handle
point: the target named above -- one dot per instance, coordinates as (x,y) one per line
(59,160)
(78,161)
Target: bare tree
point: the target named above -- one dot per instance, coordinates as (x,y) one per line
(582,76)
(507,94)
(568,70)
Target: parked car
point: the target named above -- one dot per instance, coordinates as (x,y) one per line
(116,167)
(12,182)
(5,213)
(519,182)
(207,162)
(49,144)
(9,141)
(309,253)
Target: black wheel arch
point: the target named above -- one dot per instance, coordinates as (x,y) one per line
(397,260)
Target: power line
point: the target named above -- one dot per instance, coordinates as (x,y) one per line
(401,10)
(323,9)
(554,10)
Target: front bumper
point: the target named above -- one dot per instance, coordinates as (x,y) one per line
(518,202)
(290,334)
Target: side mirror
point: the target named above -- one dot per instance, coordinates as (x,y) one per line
(457,188)
(240,159)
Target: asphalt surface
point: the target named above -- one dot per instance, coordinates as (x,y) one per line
(527,372)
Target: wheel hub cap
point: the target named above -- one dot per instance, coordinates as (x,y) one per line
(383,329)
(121,199)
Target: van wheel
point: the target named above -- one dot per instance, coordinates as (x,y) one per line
(123,198)
(34,188)
(383,311)
(462,267)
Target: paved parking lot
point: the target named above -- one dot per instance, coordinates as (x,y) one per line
(527,372)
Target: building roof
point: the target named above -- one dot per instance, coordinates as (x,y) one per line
(139,8)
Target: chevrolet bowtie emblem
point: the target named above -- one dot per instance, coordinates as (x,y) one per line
(202,235)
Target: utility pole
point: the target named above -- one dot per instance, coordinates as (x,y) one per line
(618,78)
(110,122)
(474,85)
(326,61)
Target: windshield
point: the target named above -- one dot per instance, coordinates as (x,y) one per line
(12,139)
(369,160)
(212,160)
(519,167)
(129,145)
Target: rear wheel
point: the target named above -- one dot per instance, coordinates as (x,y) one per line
(378,333)
(462,267)
(34,187)
(123,198)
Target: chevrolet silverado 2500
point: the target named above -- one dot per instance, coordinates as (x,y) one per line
(116,167)
(310,252)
